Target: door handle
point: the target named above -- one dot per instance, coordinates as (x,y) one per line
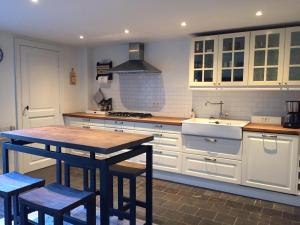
(269,136)
(157,152)
(209,159)
(211,140)
(26,108)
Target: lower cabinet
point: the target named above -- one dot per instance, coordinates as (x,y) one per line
(220,169)
(164,160)
(270,161)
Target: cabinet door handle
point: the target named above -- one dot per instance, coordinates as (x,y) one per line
(117,130)
(85,126)
(210,159)
(158,126)
(158,152)
(210,140)
(269,136)
(157,135)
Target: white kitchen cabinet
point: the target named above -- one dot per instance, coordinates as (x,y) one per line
(219,169)
(292,57)
(270,161)
(164,160)
(203,61)
(266,57)
(233,59)
(212,147)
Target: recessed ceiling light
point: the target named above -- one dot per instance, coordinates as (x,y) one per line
(259,13)
(126,31)
(81,37)
(35,1)
(183,24)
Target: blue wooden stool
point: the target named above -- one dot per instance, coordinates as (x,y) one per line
(57,201)
(131,171)
(11,185)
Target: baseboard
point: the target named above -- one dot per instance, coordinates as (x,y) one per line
(229,188)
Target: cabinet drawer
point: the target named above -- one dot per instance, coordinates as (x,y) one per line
(164,160)
(76,122)
(213,147)
(158,127)
(97,122)
(212,168)
(119,124)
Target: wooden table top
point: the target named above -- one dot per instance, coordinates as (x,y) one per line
(270,128)
(99,141)
(155,119)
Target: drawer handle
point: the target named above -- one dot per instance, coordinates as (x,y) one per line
(158,126)
(117,130)
(209,159)
(157,152)
(88,127)
(157,135)
(269,136)
(210,140)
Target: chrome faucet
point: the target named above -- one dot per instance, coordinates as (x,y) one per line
(221,103)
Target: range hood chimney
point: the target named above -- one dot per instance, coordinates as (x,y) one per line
(136,63)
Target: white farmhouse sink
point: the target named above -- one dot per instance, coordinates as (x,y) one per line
(221,128)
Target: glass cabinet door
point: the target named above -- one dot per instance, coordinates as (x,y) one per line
(292,56)
(233,59)
(266,57)
(203,61)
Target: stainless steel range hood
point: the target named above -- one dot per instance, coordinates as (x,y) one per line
(136,63)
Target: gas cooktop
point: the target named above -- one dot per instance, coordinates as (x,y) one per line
(130,114)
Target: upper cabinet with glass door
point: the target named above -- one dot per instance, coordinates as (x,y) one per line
(292,57)
(233,59)
(203,62)
(266,57)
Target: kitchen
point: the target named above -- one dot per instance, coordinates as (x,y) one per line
(196,183)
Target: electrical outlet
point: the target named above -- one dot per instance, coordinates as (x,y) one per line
(266,119)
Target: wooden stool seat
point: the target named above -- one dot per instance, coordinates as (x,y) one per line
(127,168)
(57,200)
(56,197)
(15,183)
(11,186)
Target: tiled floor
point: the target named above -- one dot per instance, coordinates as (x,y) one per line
(177,204)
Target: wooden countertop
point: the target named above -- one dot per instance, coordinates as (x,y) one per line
(270,128)
(155,119)
(99,141)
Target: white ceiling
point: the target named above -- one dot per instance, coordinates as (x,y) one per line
(103,21)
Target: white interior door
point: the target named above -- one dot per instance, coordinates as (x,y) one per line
(39,77)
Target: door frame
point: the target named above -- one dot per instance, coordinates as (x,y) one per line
(18,43)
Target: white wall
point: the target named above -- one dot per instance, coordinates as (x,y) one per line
(7,82)
(164,94)
(170,89)
(72,96)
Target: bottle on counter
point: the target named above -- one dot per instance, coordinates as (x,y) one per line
(193,114)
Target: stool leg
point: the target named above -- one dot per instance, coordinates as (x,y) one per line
(58,220)
(91,212)
(16,209)
(23,214)
(120,195)
(41,218)
(7,211)
(132,197)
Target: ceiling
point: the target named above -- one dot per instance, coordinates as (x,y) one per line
(104,21)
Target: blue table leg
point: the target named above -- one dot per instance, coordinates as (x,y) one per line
(67,174)
(104,193)
(5,159)
(149,177)
(58,166)
(93,175)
